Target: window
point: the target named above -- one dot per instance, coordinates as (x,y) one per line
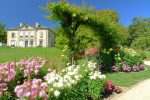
(26,34)
(21,43)
(41,43)
(31,43)
(21,34)
(13,43)
(13,35)
(41,35)
(32,34)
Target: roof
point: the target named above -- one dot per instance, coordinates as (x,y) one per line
(26,26)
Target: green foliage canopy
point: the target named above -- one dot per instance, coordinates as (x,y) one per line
(3,35)
(71,17)
(140,33)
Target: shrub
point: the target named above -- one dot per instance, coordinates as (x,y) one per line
(73,82)
(14,73)
(107,58)
(131,57)
(122,59)
(111,87)
(7,97)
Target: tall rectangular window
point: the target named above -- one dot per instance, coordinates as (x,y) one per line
(32,34)
(41,35)
(26,34)
(41,43)
(13,35)
(21,34)
(31,43)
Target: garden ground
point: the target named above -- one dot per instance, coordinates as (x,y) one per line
(53,54)
(12,54)
(129,79)
(139,91)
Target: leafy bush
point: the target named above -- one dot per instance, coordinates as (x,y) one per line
(107,58)
(75,82)
(96,88)
(111,87)
(131,57)
(7,97)
(122,59)
(14,73)
(128,60)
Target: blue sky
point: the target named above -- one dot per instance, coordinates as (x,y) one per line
(12,12)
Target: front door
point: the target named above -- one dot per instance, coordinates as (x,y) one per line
(26,43)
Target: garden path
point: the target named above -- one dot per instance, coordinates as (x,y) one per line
(140,91)
(147,62)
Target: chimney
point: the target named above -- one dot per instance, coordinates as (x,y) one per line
(37,24)
(21,24)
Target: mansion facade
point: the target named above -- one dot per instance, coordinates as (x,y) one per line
(30,36)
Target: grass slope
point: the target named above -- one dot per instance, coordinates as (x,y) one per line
(128,79)
(12,54)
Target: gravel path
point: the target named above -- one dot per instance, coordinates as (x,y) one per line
(146,62)
(140,91)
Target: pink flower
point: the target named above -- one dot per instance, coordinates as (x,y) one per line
(28,94)
(36,72)
(20,93)
(26,72)
(17,88)
(42,93)
(37,67)
(49,70)
(2,85)
(44,85)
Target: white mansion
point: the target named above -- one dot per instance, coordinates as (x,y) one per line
(30,36)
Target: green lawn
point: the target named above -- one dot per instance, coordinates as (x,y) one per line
(129,79)
(12,54)
(147,54)
(54,56)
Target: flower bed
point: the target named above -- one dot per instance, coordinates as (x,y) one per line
(124,59)
(12,73)
(23,80)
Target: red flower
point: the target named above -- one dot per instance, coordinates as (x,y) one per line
(111,87)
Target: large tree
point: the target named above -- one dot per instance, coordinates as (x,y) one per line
(3,35)
(72,17)
(140,33)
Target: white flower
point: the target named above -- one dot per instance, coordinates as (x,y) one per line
(52,79)
(60,84)
(70,68)
(68,64)
(93,77)
(51,89)
(72,81)
(76,77)
(70,73)
(75,70)
(68,84)
(56,93)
